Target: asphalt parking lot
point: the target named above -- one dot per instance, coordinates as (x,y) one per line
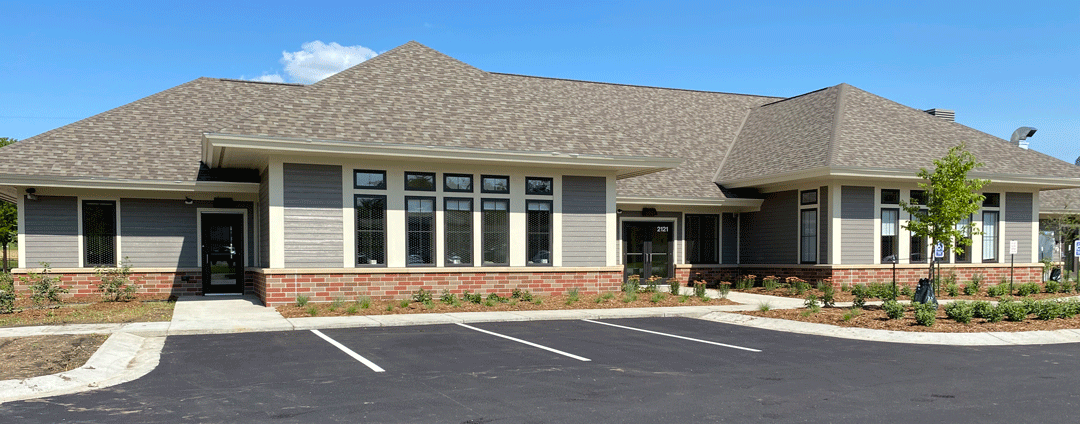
(628,370)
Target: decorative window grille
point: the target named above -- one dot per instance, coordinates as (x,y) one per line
(890,227)
(370,230)
(99,233)
(990,236)
(458,215)
(538,232)
(808,241)
(495,226)
(420,230)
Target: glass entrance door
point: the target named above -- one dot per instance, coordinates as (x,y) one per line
(647,247)
(222,253)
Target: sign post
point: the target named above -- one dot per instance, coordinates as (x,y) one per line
(1013,247)
(1076,257)
(939,253)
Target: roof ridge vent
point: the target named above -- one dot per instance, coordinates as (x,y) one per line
(946,114)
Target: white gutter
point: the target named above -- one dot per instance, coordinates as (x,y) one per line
(689,201)
(898,174)
(126,184)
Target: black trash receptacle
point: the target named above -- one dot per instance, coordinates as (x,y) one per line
(1055,274)
(924,293)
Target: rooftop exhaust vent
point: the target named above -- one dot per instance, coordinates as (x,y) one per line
(948,115)
(1020,135)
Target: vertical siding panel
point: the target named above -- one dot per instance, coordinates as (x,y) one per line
(313,225)
(856,225)
(584,221)
(52,231)
(771,235)
(1018,223)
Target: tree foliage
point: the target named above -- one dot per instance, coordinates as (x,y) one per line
(950,198)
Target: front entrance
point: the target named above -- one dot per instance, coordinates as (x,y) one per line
(647,247)
(223,253)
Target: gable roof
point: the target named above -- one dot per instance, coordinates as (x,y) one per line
(845,127)
(1060,201)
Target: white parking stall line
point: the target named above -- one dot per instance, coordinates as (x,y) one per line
(349,352)
(673,335)
(525,342)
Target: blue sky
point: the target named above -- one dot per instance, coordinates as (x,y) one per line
(1000,65)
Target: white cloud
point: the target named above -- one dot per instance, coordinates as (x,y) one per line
(317,60)
(270,78)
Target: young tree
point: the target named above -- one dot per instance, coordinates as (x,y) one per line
(950,198)
(9,223)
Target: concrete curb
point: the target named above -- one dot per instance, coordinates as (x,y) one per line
(907,337)
(123,357)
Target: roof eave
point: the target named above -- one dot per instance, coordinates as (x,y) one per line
(1042,182)
(128,184)
(740,203)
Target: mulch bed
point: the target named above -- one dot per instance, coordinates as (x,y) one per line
(144,308)
(557,302)
(840,296)
(873,317)
(25,357)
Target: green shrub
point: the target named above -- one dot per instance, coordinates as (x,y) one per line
(7,299)
(467,297)
(771,282)
(1052,286)
(861,292)
(657,297)
(338,302)
(352,309)
(1065,286)
(997,290)
(116,284)
(572,296)
(44,288)
(673,286)
(652,285)
(494,297)
(699,289)
(907,292)
(1012,311)
(632,284)
(605,296)
(1048,309)
(844,287)
(723,288)
(995,314)
(851,314)
(312,310)
(981,309)
(489,303)
(301,300)
(421,296)
(974,285)
(1027,289)
(404,303)
(811,301)
(364,302)
(952,289)
(960,311)
(629,297)
(882,290)
(925,314)
(1070,308)
(828,296)
(893,309)
(447,297)
(521,295)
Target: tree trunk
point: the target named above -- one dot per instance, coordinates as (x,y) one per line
(5,258)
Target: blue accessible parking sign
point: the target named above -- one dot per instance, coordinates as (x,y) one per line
(1076,248)
(939,250)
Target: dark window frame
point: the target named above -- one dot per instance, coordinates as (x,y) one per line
(86,254)
(895,243)
(431,239)
(804,201)
(357,186)
(917,197)
(484,189)
(997,237)
(550,184)
(484,231)
(968,257)
(447,229)
(356,241)
(925,250)
(894,193)
(446,186)
(434,180)
(995,203)
(697,240)
(550,233)
(802,235)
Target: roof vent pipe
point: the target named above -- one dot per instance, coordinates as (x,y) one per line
(945,114)
(1022,134)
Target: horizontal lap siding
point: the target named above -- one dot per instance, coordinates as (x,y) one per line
(584,221)
(159,233)
(1018,223)
(52,231)
(729,233)
(856,225)
(313,218)
(771,235)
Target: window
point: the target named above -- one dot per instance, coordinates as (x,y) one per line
(495,226)
(370,230)
(918,197)
(458,216)
(990,236)
(372,180)
(99,233)
(992,200)
(495,184)
(964,256)
(890,197)
(420,181)
(702,239)
(534,185)
(918,244)
(808,197)
(808,243)
(457,183)
(890,229)
(538,232)
(420,230)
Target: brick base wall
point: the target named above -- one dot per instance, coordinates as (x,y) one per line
(280,289)
(905,274)
(177,283)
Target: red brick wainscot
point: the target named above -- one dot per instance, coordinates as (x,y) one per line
(278,287)
(909,274)
(83,282)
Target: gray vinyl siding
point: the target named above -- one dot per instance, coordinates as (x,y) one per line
(264,219)
(156,233)
(823,225)
(729,238)
(312,212)
(856,225)
(771,235)
(584,221)
(52,231)
(1018,224)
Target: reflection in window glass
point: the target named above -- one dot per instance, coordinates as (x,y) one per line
(458,215)
(457,182)
(421,181)
(372,180)
(370,230)
(420,230)
(495,225)
(496,184)
(538,232)
(541,186)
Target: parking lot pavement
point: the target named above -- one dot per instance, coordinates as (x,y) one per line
(637,370)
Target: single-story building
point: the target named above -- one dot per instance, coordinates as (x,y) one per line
(413,169)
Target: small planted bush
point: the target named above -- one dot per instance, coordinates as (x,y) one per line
(723,288)
(925,314)
(893,309)
(981,309)
(421,296)
(7,296)
(521,295)
(404,303)
(44,288)
(673,286)
(632,283)
(657,297)
(745,282)
(771,282)
(467,297)
(364,302)
(1012,311)
(1027,289)
(861,292)
(960,311)
(764,306)
(630,297)
(952,289)
(850,314)
(302,300)
(797,285)
(994,314)
(337,303)
(1052,286)
(1048,310)
(699,289)
(116,284)
(495,298)
(572,296)
(907,291)
(997,290)
(447,297)
(811,302)
(828,296)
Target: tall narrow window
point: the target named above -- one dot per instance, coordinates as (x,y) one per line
(538,232)
(99,232)
(495,226)
(990,236)
(890,227)
(370,230)
(808,236)
(420,230)
(965,243)
(458,215)
(702,239)
(918,244)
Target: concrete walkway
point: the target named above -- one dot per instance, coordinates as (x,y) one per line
(134,349)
